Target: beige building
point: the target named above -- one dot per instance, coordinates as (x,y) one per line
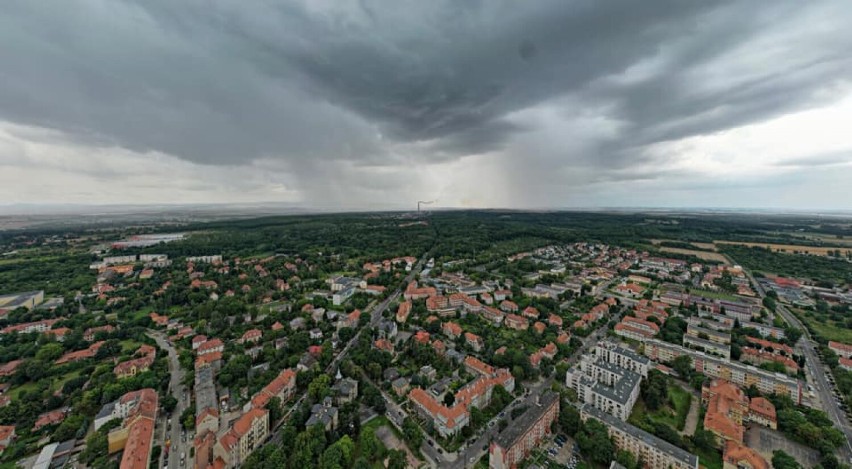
(247,434)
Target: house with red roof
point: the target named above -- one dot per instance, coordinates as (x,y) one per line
(421,337)
(53,417)
(439,347)
(631,290)
(135,436)
(9,368)
(403,311)
(539,327)
(475,342)
(80,354)
(198,340)
(513,321)
(283,387)
(251,336)
(247,434)
(451,330)
(554,320)
(509,306)
(384,345)
(210,346)
(530,312)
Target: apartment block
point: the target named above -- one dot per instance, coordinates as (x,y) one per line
(516,442)
(740,374)
(653,451)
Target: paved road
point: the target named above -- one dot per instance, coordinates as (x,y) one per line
(818,374)
(178,390)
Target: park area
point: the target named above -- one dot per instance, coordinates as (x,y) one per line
(673,413)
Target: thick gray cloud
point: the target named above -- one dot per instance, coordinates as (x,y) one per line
(322,91)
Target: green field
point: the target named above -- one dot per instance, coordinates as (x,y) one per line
(828,329)
(713,295)
(673,416)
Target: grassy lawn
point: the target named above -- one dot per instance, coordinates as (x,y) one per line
(15,393)
(672,416)
(58,382)
(64,379)
(713,295)
(129,345)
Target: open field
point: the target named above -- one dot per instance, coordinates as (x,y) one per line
(705,255)
(828,329)
(788,248)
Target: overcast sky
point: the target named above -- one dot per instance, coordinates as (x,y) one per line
(375,105)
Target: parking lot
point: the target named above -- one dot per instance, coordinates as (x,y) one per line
(765,441)
(560,451)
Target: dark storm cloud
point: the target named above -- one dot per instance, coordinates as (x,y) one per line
(226,82)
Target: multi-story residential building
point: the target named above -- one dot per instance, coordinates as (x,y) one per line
(205,259)
(451,329)
(29,327)
(765,330)
(210,346)
(759,357)
(450,420)
(475,342)
(136,434)
(712,321)
(600,381)
(630,326)
(740,374)
(513,321)
(516,442)
(707,333)
(282,387)
(771,347)
(841,349)
(247,434)
(206,402)
(653,451)
(710,347)
(28,300)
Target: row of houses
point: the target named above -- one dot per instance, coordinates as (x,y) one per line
(742,375)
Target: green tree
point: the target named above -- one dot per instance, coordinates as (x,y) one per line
(49,352)
(411,431)
(569,419)
(626,459)
(396,459)
(782,460)
(593,440)
(683,366)
(370,446)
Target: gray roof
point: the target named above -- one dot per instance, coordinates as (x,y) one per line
(205,390)
(106,410)
(645,437)
(629,353)
(345,386)
(522,424)
(622,389)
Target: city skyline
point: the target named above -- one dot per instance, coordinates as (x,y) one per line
(325,105)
